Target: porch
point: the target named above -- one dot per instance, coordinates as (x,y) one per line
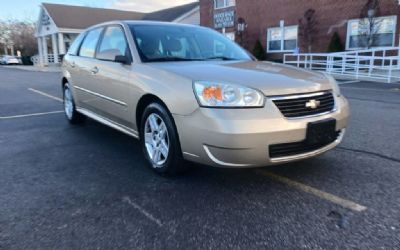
(52,47)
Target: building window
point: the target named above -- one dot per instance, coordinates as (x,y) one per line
(382,35)
(282,39)
(219,4)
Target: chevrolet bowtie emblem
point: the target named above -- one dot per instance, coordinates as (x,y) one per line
(313,104)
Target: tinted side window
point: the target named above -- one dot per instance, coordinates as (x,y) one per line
(88,47)
(73,50)
(113,44)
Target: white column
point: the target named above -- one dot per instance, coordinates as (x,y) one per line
(54,46)
(61,44)
(282,26)
(45,51)
(40,50)
(12,50)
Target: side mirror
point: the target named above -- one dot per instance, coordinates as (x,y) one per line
(122,59)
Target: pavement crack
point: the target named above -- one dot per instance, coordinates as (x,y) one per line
(370,153)
(142,210)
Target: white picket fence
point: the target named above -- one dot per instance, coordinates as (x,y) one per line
(369,65)
(50,60)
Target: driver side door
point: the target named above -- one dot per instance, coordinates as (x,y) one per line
(112,79)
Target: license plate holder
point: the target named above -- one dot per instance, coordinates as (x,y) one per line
(321,132)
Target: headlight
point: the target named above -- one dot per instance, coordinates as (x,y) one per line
(220,95)
(335,85)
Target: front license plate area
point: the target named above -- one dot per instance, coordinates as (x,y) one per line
(321,132)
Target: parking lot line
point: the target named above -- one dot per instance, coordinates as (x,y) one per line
(316,192)
(369,89)
(45,94)
(29,115)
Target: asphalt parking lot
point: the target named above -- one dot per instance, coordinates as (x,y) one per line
(86,187)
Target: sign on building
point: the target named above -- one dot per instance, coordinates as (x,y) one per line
(224,19)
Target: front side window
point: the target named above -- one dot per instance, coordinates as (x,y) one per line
(181,43)
(218,4)
(282,40)
(113,44)
(73,50)
(367,33)
(88,47)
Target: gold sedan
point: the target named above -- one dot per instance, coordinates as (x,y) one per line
(189,93)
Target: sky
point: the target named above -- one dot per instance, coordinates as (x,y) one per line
(29,9)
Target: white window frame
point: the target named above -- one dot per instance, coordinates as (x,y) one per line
(348,33)
(230,35)
(282,39)
(226,4)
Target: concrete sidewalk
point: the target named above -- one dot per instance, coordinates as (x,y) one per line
(35,68)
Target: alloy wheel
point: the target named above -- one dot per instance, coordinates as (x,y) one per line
(156,140)
(68,103)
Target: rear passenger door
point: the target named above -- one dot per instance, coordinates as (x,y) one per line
(112,81)
(85,66)
(69,64)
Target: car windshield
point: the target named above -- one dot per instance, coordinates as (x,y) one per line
(163,43)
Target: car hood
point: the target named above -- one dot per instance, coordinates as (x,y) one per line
(270,78)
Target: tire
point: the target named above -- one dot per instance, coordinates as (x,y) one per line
(69,107)
(160,142)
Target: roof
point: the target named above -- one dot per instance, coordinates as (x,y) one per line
(78,17)
(169,15)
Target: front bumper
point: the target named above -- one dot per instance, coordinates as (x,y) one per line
(240,138)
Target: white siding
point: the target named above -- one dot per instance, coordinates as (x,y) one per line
(45,29)
(191,18)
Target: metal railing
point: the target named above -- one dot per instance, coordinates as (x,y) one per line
(369,65)
(50,60)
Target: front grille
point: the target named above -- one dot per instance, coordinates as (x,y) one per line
(302,105)
(296,148)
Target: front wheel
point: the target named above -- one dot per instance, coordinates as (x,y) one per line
(159,140)
(69,107)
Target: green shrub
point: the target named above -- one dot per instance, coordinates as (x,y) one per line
(26,60)
(259,51)
(336,44)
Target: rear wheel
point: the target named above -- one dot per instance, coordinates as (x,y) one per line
(159,140)
(69,107)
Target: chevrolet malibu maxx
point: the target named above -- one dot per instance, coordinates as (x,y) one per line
(189,93)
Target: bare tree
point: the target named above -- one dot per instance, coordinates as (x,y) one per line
(4,35)
(308,28)
(23,37)
(20,34)
(369,24)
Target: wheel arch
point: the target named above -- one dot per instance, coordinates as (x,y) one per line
(144,101)
(63,82)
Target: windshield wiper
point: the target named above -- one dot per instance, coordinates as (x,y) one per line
(171,59)
(223,58)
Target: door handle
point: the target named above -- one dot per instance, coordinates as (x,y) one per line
(72,64)
(95,70)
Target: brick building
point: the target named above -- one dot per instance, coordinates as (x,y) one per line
(276,23)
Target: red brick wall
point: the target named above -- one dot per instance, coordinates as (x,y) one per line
(331,16)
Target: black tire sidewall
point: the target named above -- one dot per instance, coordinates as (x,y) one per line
(173,162)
